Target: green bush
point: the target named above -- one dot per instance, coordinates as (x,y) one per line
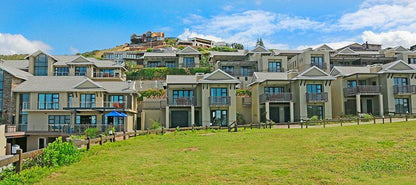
(29,176)
(91,132)
(366,117)
(243,92)
(223,49)
(107,131)
(314,118)
(60,153)
(200,70)
(149,49)
(155,125)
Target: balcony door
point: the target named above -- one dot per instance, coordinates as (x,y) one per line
(315,110)
(219,95)
(314,88)
(219,117)
(273,90)
(182,97)
(401,81)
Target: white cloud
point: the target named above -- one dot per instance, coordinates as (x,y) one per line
(73,50)
(227,7)
(189,34)
(380,14)
(333,45)
(391,38)
(18,44)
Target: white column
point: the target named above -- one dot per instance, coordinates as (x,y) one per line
(292,112)
(281,114)
(358,103)
(192,115)
(381,105)
(267,109)
(167,123)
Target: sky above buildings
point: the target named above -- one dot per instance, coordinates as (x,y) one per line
(68,27)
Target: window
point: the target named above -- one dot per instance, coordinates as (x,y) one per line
(314,88)
(114,120)
(353,83)
(401,105)
(170,64)
(218,91)
(412,60)
(70,99)
(117,101)
(317,61)
(80,71)
(228,69)
(182,95)
(41,142)
(154,64)
(400,81)
(315,110)
(275,67)
(245,71)
(87,100)
(57,122)
(189,62)
(273,90)
(41,65)
(86,120)
(48,101)
(61,71)
(105,73)
(219,117)
(1,90)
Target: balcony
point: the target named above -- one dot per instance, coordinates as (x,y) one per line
(404,89)
(240,73)
(153,104)
(181,101)
(362,90)
(219,100)
(320,66)
(276,97)
(16,128)
(25,106)
(246,100)
(105,104)
(107,75)
(317,97)
(48,106)
(61,73)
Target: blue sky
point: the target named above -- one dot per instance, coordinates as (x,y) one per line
(67,27)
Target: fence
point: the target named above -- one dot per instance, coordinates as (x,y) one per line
(233,127)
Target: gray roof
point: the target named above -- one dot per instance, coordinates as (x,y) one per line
(349,70)
(15,72)
(192,79)
(105,63)
(278,51)
(305,76)
(19,64)
(236,53)
(259,77)
(181,79)
(157,54)
(70,83)
(189,50)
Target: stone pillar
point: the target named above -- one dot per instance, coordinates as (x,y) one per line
(358,103)
(267,109)
(167,122)
(192,115)
(292,112)
(282,114)
(381,105)
(143,120)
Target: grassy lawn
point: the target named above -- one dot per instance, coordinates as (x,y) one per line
(364,154)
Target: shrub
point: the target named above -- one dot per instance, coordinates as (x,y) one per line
(60,153)
(150,93)
(243,92)
(155,125)
(29,176)
(149,49)
(240,119)
(200,70)
(223,49)
(91,132)
(366,117)
(314,118)
(107,131)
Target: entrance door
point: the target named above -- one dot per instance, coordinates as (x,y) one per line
(287,114)
(219,117)
(274,114)
(370,106)
(179,118)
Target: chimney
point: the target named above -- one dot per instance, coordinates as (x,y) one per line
(199,76)
(128,84)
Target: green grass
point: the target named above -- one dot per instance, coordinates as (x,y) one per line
(364,154)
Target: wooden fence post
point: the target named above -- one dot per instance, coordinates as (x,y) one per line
(19,164)
(124,135)
(307,124)
(340,120)
(135,133)
(114,137)
(251,126)
(383,119)
(374,119)
(235,127)
(358,120)
(101,139)
(147,131)
(406,118)
(88,143)
(288,124)
(206,127)
(390,118)
(324,122)
(301,123)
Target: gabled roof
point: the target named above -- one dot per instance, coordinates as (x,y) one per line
(14,71)
(181,79)
(218,76)
(87,84)
(63,60)
(314,73)
(259,77)
(157,54)
(346,50)
(38,52)
(233,53)
(323,47)
(18,64)
(398,66)
(349,70)
(189,50)
(260,49)
(400,48)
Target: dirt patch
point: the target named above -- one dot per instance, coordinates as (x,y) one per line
(191,149)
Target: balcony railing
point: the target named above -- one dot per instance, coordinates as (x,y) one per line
(16,128)
(61,73)
(246,100)
(404,89)
(320,66)
(80,73)
(276,97)
(48,106)
(107,75)
(191,64)
(181,101)
(80,128)
(240,73)
(25,106)
(105,104)
(362,89)
(219,100)
(317,97)
(152,104)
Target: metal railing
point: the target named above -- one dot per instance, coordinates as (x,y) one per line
(362,89)
(80,128)
(48,106)
(107,75)
(104,104)
(61,73)
(80,73)
(404,89)
(240,73)
(219,100)
(25,106)
(317,97)
(276,97)
(181,101)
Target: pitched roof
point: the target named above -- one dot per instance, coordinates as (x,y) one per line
(349,70)
(157,54)
(398,66)
(259,77)
(218,76)
(181,79)
(260,49)
(323,47)
(189,50)
(314,73)
(19,64)
(36,53)
(15,72)
(234,53)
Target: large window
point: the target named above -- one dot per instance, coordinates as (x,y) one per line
(61,71)
(314,88)
(87,100)
(317,61)
(412,60)
(401,105)
(273,90)
(219,117)
(275,67)
(189,62)
(117,101)
(80,71)
(153,64)
(353,83)
(24,104)
(57,122)
(315,110)
(41,65)
(86,120)
(70,99)
(170,64)
(228,69)
(48,101)
(400,81)
(245,71)
(218,91)
(105,73)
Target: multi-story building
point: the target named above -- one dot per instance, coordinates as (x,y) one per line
(121,57)
(185,58)
(200,99)
(319,57)
(376,89)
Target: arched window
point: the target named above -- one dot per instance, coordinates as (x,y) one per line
(41,65)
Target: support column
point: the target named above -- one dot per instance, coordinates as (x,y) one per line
(167,122)
(267,109)
(358,103)
(380,102)
(292,112)
(192,115)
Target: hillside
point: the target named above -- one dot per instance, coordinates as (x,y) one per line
(13,57)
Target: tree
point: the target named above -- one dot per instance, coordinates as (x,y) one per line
(259,42)
(237,46)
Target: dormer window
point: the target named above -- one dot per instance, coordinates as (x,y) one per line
(41,65)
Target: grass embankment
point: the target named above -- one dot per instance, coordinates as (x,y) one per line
(365,154)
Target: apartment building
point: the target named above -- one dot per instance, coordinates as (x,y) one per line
(185,58)
(377,89)
(200,100)
(319,57)
(121,57)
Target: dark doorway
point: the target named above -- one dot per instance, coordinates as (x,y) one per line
(179,118)
(274,114)
(370,106)
(287,114)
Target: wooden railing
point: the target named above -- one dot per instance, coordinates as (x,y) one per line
(362,89)
(276,97)
(181,101)
(219,100)
(404,89)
